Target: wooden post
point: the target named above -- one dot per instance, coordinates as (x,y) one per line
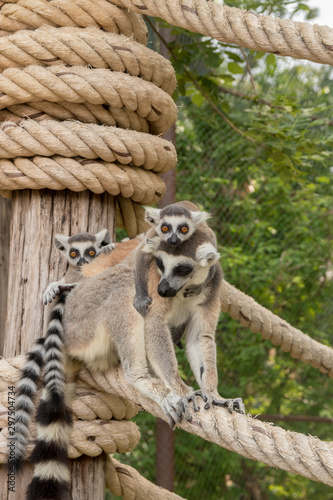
(5,218)
(34,262)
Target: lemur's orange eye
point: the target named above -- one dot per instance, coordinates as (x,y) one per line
(73,253)
(92,253)
(164,229)
(184,229)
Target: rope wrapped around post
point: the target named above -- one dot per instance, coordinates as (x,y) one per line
(67,121)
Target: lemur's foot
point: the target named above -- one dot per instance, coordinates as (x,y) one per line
(232,404)
(191,398)
(216,400)
(173,408)
(142,305)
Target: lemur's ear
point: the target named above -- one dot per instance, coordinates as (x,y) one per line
(151,245)
(152,215)
(103,238)
(207,255)
(199,217)
(61,242)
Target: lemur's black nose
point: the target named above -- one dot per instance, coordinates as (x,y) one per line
(164,289)
(81,261)
(174,240)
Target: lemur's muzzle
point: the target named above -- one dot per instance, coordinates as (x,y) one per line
(164,289)
(174,240)
(81,262)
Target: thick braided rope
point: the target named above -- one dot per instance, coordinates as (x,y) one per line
(260,441)
(259,319)
(242,28)
(81,47)
(130,216)
(89,404)
(88,438)
(87,113)
(59,173)
(122,480)
(80,84)
(30,14)
(135,95)
(71,139)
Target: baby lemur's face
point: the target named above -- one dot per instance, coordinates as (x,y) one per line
(82,248)
(175,224)
(175,229)
(179,271)
(81,252)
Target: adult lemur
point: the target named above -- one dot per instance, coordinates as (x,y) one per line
(102,329)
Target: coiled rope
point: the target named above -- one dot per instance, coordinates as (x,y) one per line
(78,105)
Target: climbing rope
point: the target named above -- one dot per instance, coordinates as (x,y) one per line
(257,440)
(259,319)
(243,28)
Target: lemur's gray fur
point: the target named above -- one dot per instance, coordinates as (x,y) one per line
(173,224)
(79,249)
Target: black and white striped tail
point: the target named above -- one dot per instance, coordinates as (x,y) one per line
(26,390)
(54,419)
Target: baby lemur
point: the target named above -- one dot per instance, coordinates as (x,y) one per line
(79,249)
(173,224)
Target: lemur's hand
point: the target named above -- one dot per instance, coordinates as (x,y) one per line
(54,289)
(50,293)
(142,304)
(108,248)
(193,290)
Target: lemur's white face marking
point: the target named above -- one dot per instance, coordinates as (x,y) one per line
(179,271)
(83,247)
(175,228)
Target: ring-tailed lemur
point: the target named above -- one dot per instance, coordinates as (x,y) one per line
(173,224)
(79,249)
(110,332)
